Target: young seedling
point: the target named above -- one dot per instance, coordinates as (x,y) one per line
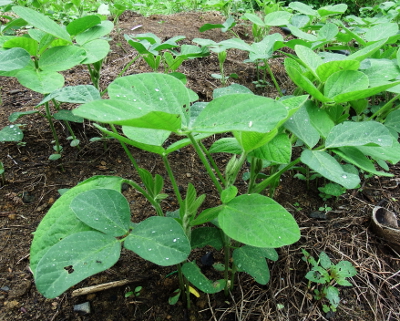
(328,276)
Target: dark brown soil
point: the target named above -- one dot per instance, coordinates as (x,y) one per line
(32,184)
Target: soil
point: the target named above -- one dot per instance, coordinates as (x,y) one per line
(32,183)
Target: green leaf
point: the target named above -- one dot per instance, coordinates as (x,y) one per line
(192,272)
(61,58)
(332,294)
(319,119)
(300,125)
(43,82)
(95,50)
(13,59)
(328,32)
(206,216)
(73,94)
(14,116)
(324,260)
(73,259)
(42,22)
(392,120)
(80,25)
(278,150)
(29,44)
(148,139)
(226,145)
(381,71)
(325,70)
(358,134)
(381,31)
(230,113)
(204,236)
(231,89)
(332,10)
(160,240)
(229,194)
(270,224)
(318,275)
(308,57)
(252,140)
(251,260)
(105,210)
(390,154)
(11,133)
(95,32)
(277,18)
(64,114)
(302,8)
(328,167)
(345,81)
(367,51)
(60,221)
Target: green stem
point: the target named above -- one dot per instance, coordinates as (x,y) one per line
(183,286)
(213,164)
(227,256)
(128,153)
(385,108)
(273,79)
(205,162)
(173,181)
(142,191)
(53,130)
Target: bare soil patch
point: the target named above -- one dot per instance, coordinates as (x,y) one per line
(32,183)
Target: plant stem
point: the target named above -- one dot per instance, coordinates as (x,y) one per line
(53,130)
(173,180)
(211,160)
(128,153)
(142,191)
(227,256)
(385,108)
(205,162)
(273,79)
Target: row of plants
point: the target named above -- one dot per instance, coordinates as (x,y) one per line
(343,117)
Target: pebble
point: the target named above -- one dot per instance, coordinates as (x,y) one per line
(188,175)
(83,307)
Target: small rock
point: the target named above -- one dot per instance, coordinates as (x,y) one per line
(82,308)
(319,215)
(11,304)
(188,175)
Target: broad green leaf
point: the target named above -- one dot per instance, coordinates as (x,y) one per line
(259,221)
(229,194)
(105,210)
(73,259)
(328,167)
(392,120)
(390,154)
(160,240)
(365,93)
(357,158)
(278,150)
(11,133)
(230,113)
(42,22)
(303,8)
(345,81)
(254,19)
(296,74)
(61,58)
(300,125)
(193,273)
(328,32)
(95,32)
(60,221)
(95,50)
(149,139)
(264,49)
(277,18)
(231,89)
(206,216)
(299,20)
(381,31)
(64,114)
(251,260)
(43,82)
(14,116)
(252,140)
(318,275)
(358,134)
(203,236)
(226,145)
(332,10)
(29,44)
(74,94)
(325,70)
(381,71)
(80,25)
(13,59)
(235,43)
(319,119)
(308,57)
(367,51)
(301,34)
